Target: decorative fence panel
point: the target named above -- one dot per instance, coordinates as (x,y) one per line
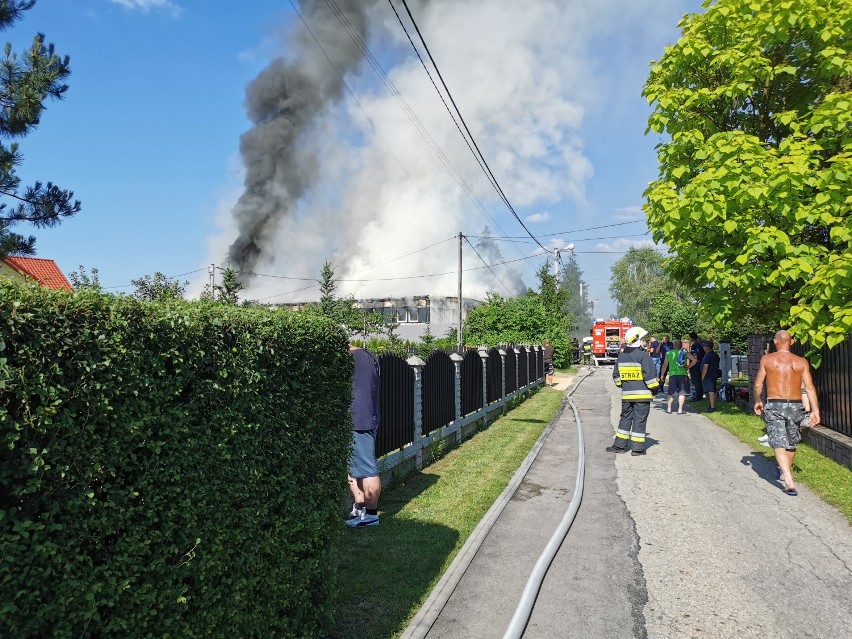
(494,375)
(471,382)
(532,358)
(539,365)
(396,402)
(523,367)
(511,371)
(833,380)
(439,392)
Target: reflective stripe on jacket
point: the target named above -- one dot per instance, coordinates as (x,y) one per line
(635,374)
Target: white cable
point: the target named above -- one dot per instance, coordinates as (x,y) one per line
(525,605)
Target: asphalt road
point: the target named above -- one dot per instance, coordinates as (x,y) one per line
(695,539)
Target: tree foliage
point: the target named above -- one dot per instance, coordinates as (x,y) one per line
(83,280)
(26,82)
(526,319)
(158,288)
(578,304)
(228,292)
(343,312)
(753,191)
(637,279)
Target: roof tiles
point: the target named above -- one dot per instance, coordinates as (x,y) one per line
(44,271)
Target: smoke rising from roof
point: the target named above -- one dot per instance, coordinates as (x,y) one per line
(282,102)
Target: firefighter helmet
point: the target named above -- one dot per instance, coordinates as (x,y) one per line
(635,335)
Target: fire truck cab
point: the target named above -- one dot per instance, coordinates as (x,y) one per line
(607,337)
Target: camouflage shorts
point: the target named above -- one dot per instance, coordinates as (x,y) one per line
(783,421)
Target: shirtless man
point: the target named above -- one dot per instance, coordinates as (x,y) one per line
(785,375)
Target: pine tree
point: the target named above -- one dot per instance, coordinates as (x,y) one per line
(25,83)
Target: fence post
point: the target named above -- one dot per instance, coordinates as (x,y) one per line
(502,374)
(517,375)
(538,353)
(483,353)
(457,362)
(417,364)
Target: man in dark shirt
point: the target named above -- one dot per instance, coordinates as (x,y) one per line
(548,362)
(364,480)
(709,372)
(695,370)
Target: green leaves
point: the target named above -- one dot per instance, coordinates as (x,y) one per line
(760,148)
(176,477)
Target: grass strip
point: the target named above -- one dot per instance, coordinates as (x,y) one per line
(387,572)
(824,476)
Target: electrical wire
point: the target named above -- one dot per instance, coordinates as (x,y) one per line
(169,277)
(397,95)
(590,228)
(484,163)
(493,272)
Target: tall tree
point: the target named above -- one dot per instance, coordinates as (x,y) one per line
(753,193)
(26,82)
(636,280)
(578,303)
(343,310)
(228,292)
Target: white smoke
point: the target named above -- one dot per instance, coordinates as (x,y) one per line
(522,75)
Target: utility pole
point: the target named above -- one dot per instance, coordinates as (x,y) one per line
(211,271)
(459,331)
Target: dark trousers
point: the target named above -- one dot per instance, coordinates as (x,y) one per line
(695,378)
(632,425)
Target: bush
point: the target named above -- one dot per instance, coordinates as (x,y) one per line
(167,469)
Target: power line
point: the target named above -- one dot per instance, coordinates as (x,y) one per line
(170,277)
(589,228)
(397,95)
(582,239)
(487,169)
(493,272)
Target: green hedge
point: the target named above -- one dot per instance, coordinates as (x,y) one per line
(167,470)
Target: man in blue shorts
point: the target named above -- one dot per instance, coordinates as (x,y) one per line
(364,480)
(785,374)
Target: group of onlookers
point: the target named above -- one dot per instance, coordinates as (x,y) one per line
(692,366)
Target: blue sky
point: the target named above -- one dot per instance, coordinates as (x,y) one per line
(148,138)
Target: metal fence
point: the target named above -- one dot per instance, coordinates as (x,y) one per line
(523,367)
(439,387)
(511,368)
(421,401)
(833,379)
(471,382)
(396,403)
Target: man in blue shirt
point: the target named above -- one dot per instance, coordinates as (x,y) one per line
(364,480)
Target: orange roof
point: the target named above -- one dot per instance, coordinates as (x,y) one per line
(45,272)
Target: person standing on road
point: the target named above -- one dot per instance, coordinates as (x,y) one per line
(695,371)
(675,366)
(548,362)
(635,374)
(709,373)
(654,347)
(785,374)
(364,481)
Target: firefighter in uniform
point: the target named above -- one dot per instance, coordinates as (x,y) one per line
(635,374)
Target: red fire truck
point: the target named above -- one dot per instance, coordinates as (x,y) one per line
(607,337)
